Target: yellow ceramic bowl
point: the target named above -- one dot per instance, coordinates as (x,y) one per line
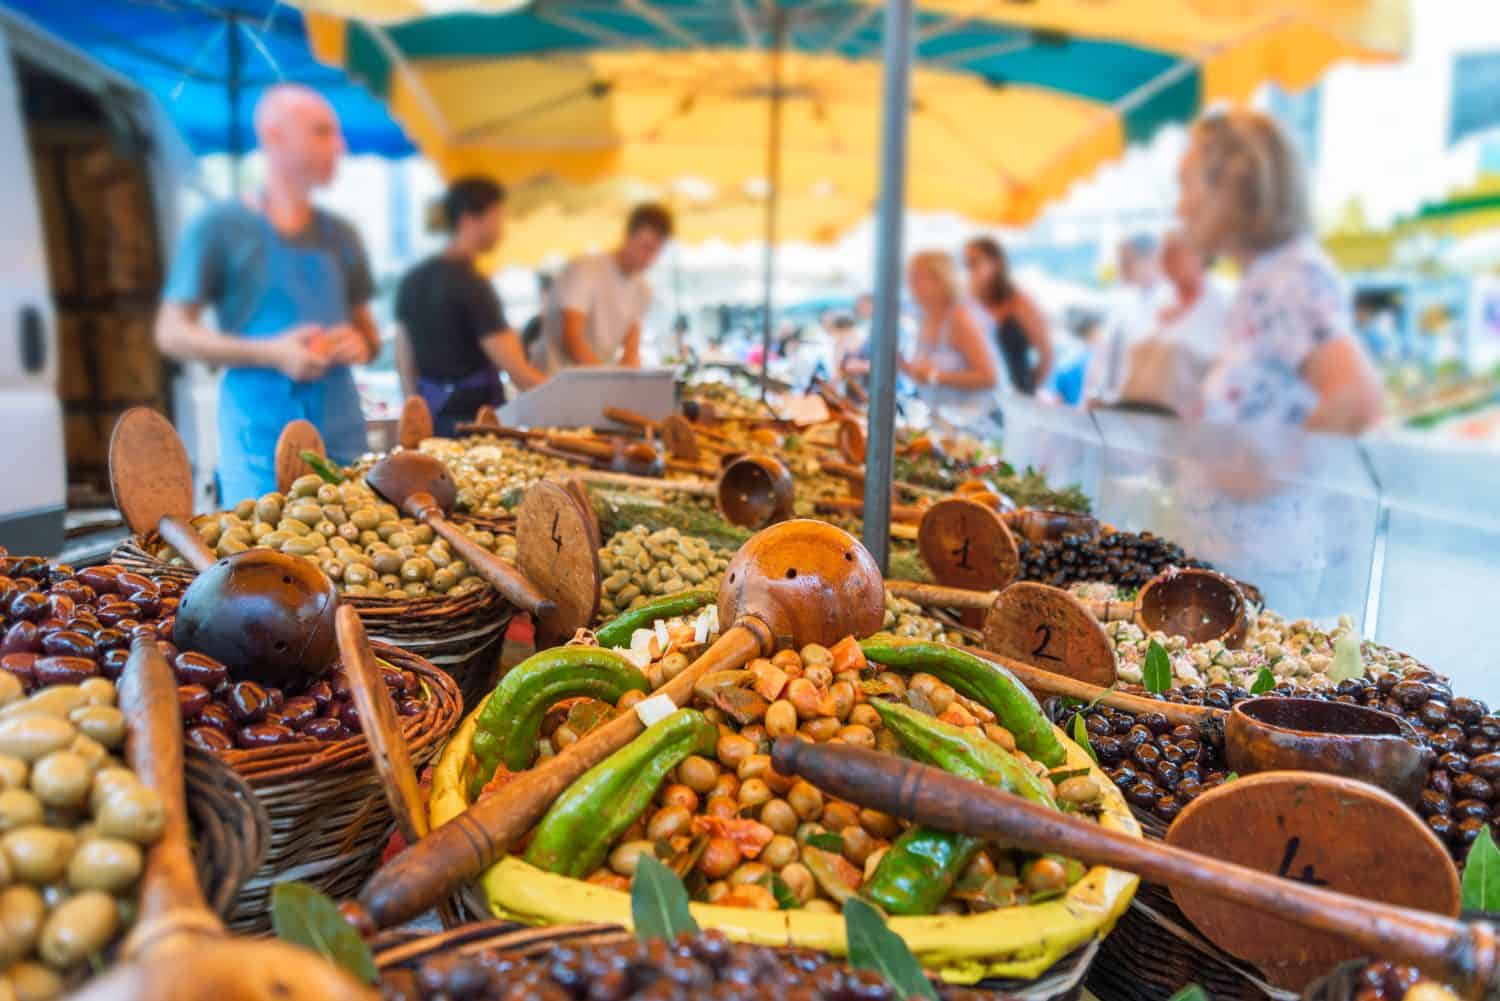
(1014,942)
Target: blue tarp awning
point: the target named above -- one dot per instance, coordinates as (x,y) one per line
(192,55)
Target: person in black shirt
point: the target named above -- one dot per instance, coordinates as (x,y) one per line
(453,338)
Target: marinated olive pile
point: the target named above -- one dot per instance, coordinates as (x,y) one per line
(1126,559)
(62,627)
(704,967)
(1386,981)
(639,565)
(698,791)
(491,473)
(360,541)
(74,823)
(907,619)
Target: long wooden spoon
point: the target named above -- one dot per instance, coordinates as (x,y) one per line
(152,481)
(1278,821)
(178,949)
(420,486)
(297,437)
(798,582)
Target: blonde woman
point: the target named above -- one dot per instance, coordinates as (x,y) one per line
(952,361)
(1291,355)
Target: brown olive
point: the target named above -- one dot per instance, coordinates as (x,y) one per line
(22,637)
(754,793)
(679,794)
(822,729)
(720,856)
(1047,874)
(732,749)
(839,815)
(247,701)
(780,851)
(63,670)
(669,822)
(722,807)
(264,735)
(858,844)
(119,613)
(299,711)
(326,728)
(210,739)
(199,669)
(698,773)
(806,800)
(320,692)
(38,855)
(778,815)
(191,700)
(78,928)
(857,735)
(69,643)
(29,606)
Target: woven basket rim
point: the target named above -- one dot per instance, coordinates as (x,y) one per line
(214,787)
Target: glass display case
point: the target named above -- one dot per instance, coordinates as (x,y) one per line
(1404,540)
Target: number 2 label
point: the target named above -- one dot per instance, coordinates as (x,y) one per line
(1044,634)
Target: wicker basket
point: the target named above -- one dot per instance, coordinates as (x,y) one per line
(398,950)
(462,634)
(329,819)
(229,826)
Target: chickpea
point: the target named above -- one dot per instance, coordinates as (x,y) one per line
(941,697)
(1045,875)
(1078,789)
(716,891)
(722,807)
(669,822)
(698,773)
(799,880)
(754,767)
(838,815)
(881,825)
(816,653)
(857,735)
(719,858)
(785,659)
(627,855)
(727,785)
(748,873)
(630,699)
(781,851)
(819,674)
(822,729)
(806,799)
(804,697)
(733,749)
(842,695)
(754,793)
(778,815)
(781,719)
(864,714)
(680,795)
(857,843)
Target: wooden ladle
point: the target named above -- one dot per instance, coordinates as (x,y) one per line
(1314,829)
(152,481)
(415,424)
(267,615)
(420,486)
(753,491)
(795,583)
(178,949)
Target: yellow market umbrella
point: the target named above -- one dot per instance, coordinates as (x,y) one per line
(1011,103)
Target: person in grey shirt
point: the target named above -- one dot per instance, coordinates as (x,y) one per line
(290,287)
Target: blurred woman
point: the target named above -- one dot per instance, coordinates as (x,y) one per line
(1291,355)
(1020,329)
(952,362)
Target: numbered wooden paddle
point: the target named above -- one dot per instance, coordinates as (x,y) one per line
(795,583)
(486,417)
(557,548)
(415,424)
(296,438)
(676,432)
(152,481)
(178,949)
(966,544)
(419,485)
(1289,870)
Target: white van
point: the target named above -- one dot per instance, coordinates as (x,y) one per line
(87,209)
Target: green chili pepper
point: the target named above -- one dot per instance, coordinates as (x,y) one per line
(512,718)
(327,471)
(618,630)
(986,682)
(575,836)
(918,871)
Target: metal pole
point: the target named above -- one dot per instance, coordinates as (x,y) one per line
(880,433)
(773,194)
(232,87)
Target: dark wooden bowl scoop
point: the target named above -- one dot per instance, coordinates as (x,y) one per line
(795,583)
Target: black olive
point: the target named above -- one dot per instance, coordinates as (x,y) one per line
(1107,748)
(1125,775)
(1188,790)
(1441,825)
(1466,808)
(1469,786)
(1167,774)
(1467,831)
(1143,794)
(1434,802)
(1147,754)
(1172,753)
(1167,807)
(1434,714)
(1098,726)
(1411,694)
(1478,746)
(1157,722)
(1441,781)
(1468,710)
(1455,762)
(1190,749)
(1184,732)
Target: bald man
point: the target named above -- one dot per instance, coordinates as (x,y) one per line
(289,286)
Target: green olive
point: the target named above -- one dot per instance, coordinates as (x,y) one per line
(276,539)
(398,539)
(375,587)
(236,534)
(386,529)
(369,538)
(415,589)
(442,582)
(365,519)
(108,864)
(229,547)
(303,546)
(356,574)
(57,701)
(387,562)
(421,534)
(107,780)
(38,855)
(22,912)
(91,751)
(418,568)
(268,508)
(327,493)
(210,534)
(106,724)
(306,485)
(62,779)
(335,515)
(78,928)
(34,981)
(133,813)
(439,556)
(19,808)
(333,568)
(31,737)
(309,512)
(12,772)
(292,526)
(349,532)
(97,691)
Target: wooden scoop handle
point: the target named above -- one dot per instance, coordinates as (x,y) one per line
(1110,611)
(605,478)
(457,852)
(381,726)
(1464,954)
(629,417)
(170,897)
(850,505)
(592,447)
(181,536)
(503,577)
(937,595)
